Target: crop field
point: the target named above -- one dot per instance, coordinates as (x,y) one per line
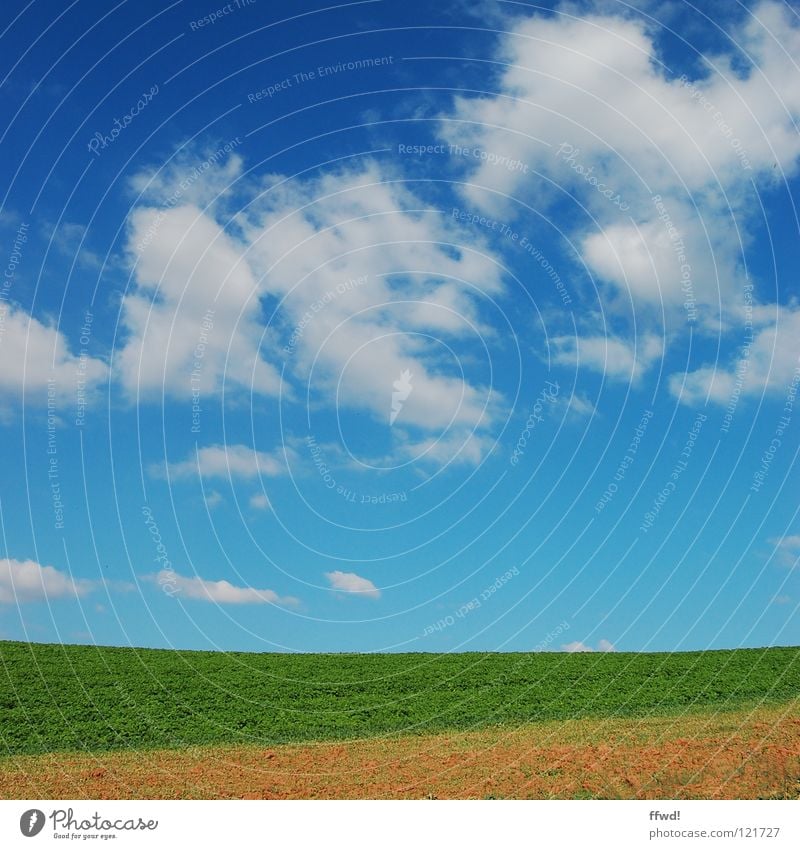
(150,718)
(70,698)
(740,754)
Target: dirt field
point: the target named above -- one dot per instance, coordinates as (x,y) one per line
(743,755)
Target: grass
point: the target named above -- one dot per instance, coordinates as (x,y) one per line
(71,698)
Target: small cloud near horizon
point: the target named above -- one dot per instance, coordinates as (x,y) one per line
(577,647)
(349,582)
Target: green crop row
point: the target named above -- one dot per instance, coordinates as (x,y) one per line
(57,698)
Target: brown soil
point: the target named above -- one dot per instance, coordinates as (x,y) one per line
(743,755)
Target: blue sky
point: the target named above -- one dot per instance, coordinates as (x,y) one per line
(391,326)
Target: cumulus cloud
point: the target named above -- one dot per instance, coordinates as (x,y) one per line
(349,582)
(636,124)
(616,358)
(768,363)
(344,278)
(665,262)
(226,461)
(585,101)
(202,177)
(195,309)
(363,278)
(26,581)
(218,592)
(340,276)
(33,353)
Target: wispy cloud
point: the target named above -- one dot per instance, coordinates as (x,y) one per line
(217,592)
(259,501)
(213,499)
(787,549)
(70,239)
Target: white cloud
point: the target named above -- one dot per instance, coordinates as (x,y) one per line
(199,177)
(218,592)
(311,241)
(643,260)
(33,353)
(694,387)
(195,307)
(788,549)
(616,358)
(594,81)
(259,501)
(772,366)
(25,581)
(578,647)
(365,281)
(349,582)
(456,447)
(227,461)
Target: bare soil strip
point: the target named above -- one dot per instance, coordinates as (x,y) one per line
(747,754)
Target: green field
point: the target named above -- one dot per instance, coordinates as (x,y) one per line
(68,698)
